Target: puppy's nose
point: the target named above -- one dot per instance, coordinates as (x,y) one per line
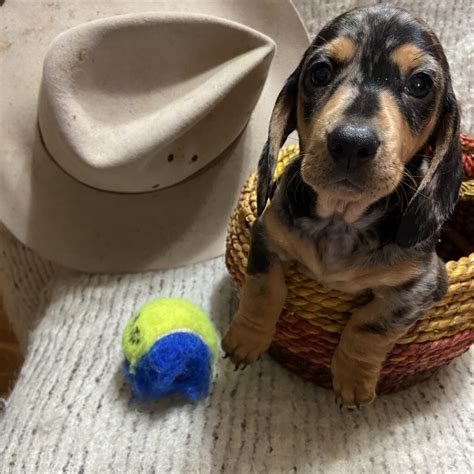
(352,145)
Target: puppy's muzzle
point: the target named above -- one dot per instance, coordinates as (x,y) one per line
(351,145)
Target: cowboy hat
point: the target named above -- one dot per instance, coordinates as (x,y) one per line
(125,136)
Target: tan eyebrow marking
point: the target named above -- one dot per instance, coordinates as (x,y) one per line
(407,57)
(341,49)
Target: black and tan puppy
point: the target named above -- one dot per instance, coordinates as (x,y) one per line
(361,207)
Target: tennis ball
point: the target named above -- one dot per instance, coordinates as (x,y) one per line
(170,347)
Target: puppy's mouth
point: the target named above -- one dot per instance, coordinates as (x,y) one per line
(322,175)
(346,184)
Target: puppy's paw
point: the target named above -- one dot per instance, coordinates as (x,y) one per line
(244,342)
(354,382)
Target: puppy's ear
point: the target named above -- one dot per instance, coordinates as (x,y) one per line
(282,123)
(435,198)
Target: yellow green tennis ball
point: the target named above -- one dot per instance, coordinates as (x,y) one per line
(170,346)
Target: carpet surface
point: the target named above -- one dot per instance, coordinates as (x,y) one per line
(69,410)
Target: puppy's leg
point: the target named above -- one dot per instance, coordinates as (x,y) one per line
(261,302)
(373,330)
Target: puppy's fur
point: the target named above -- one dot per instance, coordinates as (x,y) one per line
(372,222)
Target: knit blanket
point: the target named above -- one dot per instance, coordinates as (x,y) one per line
(69,410)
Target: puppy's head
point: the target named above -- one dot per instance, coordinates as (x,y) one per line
(371,92)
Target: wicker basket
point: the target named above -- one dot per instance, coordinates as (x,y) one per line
(313,316)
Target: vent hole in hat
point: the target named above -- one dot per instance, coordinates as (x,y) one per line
(194,158)
(155,186)
(170,157)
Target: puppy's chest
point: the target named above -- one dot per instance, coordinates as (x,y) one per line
(332,251)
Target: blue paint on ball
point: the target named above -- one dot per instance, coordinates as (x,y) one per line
(179,363)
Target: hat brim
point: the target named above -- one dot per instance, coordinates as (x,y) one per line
(91,230)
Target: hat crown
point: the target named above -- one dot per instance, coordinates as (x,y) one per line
(140,102)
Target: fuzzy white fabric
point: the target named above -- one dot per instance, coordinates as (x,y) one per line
(69,410)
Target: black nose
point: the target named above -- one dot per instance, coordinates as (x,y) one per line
(352,145)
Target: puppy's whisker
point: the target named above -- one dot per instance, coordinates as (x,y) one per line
(407,174)
(420,193)
(399,189)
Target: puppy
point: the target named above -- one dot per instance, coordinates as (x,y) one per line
(361,207)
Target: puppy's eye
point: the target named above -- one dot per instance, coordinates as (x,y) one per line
(419,85)
(321,74)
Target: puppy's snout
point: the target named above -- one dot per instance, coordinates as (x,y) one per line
(351,145)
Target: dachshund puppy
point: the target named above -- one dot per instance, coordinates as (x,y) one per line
(361,207)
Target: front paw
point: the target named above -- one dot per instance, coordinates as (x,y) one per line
(245,342)
(354,381)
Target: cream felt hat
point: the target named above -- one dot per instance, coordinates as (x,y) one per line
(128,128)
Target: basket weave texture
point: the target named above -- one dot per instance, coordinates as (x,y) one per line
(313,316)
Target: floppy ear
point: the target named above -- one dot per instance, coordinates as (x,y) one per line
(282,123)
(438,192)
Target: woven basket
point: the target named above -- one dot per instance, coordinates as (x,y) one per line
(313,316)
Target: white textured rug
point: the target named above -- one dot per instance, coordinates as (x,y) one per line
(69,411)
